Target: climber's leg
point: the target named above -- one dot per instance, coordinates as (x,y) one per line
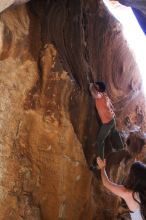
(118,143)
(102,135)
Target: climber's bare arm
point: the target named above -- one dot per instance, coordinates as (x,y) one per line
(112,107)
(95,94)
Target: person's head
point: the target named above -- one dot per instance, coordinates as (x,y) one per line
(136,180)
(100,86)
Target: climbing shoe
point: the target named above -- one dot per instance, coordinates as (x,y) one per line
(93,168)
(94,165)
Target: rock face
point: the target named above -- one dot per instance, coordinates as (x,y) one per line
(49,52)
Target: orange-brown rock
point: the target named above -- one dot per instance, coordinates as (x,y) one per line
(49,52)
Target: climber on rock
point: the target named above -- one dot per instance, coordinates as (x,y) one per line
(133,191)
(104,108)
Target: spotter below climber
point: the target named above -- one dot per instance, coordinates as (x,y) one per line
(133,191)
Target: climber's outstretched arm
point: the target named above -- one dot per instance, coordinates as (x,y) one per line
(95,94)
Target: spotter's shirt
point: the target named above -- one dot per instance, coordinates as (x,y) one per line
(136,215)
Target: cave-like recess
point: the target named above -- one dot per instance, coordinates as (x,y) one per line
(49,52)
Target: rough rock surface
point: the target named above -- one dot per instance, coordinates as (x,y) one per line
(49,51)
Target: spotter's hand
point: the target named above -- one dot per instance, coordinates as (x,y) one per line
(101,163)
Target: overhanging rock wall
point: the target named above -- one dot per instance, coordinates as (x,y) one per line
(49,51)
